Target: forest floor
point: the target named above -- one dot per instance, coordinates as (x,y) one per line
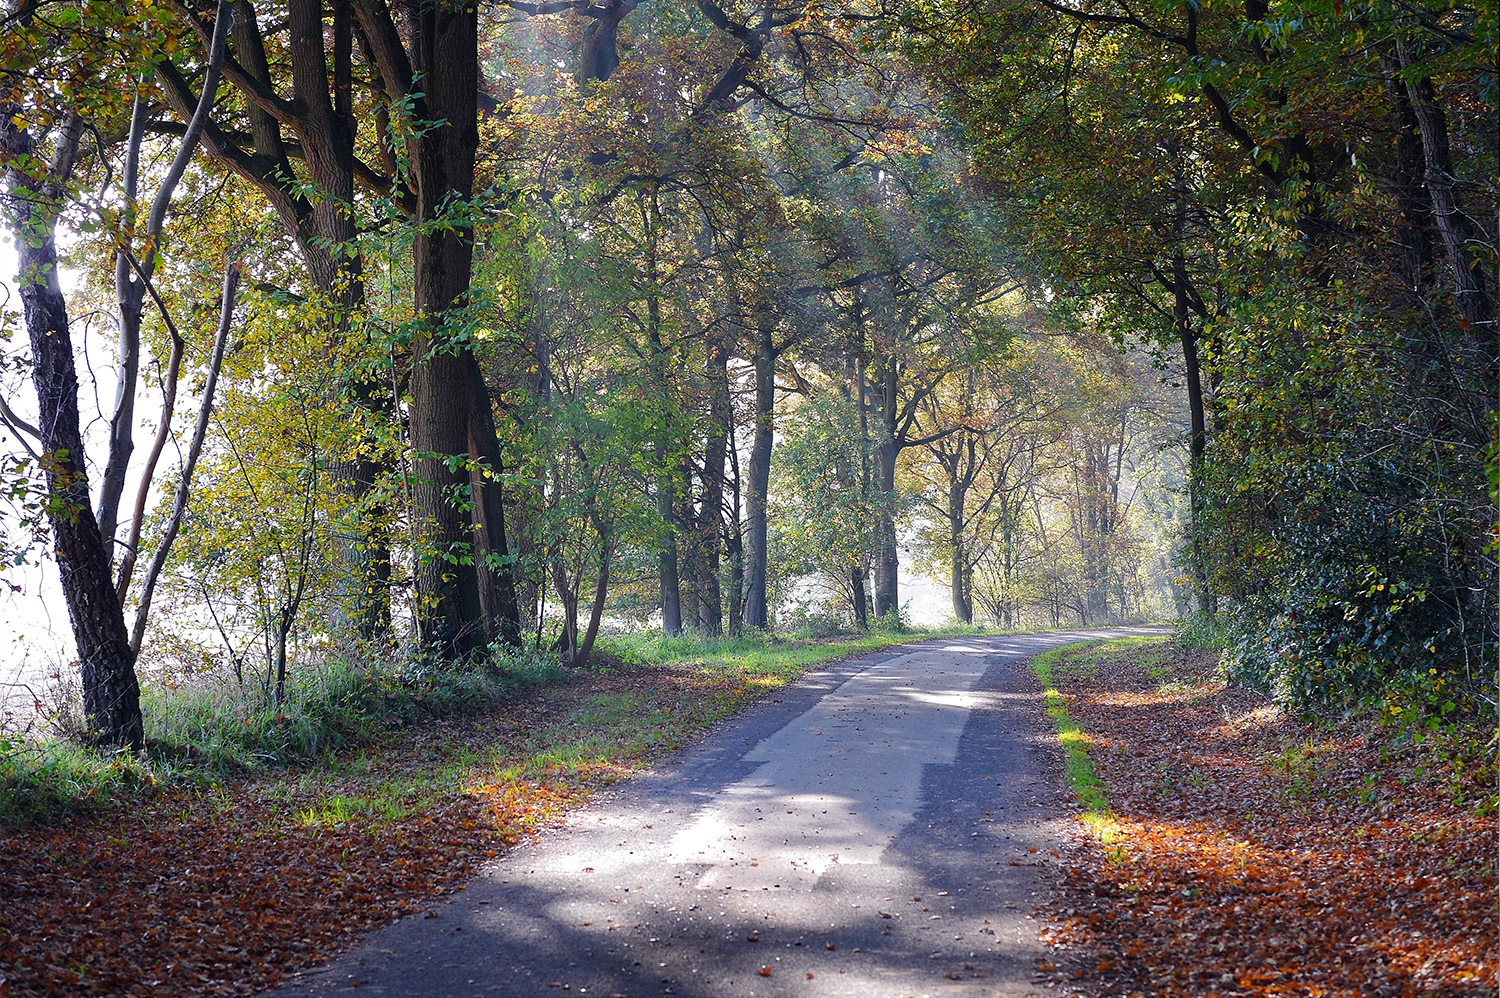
(227,886)
(1245,853)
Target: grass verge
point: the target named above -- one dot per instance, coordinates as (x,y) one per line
(1079,770)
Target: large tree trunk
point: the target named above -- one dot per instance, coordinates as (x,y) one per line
(111,694)
(756,611)
(452,424)
(449,613)
(320,116)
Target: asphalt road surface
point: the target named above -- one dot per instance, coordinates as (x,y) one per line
(879,829)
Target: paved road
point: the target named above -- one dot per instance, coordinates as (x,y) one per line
(878,829)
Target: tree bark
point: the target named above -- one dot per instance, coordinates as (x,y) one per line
(959,567)
(601,590)
(1471,283)
(1198,425)
(319,114)
(735,544)
(668,568)
(444,44)
(756,613)
(711,513)
(887,559)
(111,694)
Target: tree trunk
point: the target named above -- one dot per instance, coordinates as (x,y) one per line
(1198,441)
(497,592)
(959,567)
(666,453)
(111,694)
(1472,284)
(756,611)
(567,641)
(449,614)
(861,600)
(666,558)
(320,116)
(735,545)
(711,513)
(601,590)
(887,560)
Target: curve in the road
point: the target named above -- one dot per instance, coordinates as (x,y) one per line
(880,828)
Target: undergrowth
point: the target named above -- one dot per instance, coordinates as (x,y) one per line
(209,724)
(206,725)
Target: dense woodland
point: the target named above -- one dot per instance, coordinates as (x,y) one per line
(440,327)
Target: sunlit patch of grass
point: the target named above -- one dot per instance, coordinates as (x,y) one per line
(1077,766)
(51,779)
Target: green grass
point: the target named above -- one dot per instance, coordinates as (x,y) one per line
(329,704)
(1079,769)
(48,779)
(202,727)
(768,655)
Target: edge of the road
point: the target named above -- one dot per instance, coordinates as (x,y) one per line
(719,744)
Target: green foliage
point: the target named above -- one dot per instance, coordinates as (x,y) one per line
(824,514)
(1238,184)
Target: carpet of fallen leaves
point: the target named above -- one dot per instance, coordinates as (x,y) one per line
(228,888)
(1254,855)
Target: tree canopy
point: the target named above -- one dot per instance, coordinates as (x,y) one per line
(468,325)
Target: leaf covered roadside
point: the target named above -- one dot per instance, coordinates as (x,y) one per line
(230,888)
(1250,854)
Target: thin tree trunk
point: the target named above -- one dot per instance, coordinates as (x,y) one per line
(1471,283)
(195,448)
(861,599)
(711,514)
(962,609)
(1198,441)
(887,560)
(756,612)
(601,591)
(736,546)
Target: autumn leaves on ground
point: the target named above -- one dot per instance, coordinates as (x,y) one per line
(226,887)
(1240,853)
(1243,853)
